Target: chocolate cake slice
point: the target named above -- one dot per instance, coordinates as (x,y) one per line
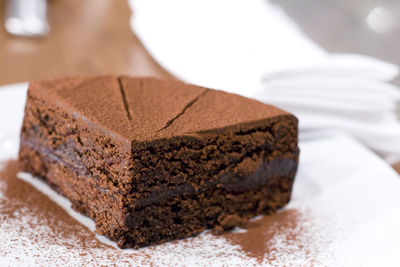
(155,160)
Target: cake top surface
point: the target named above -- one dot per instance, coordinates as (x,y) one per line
(147,108)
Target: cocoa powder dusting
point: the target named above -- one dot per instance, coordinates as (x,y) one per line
(269,238)
(21,200)
(42,233)
(256,241)
(22,196)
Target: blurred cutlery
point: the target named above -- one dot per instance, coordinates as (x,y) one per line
(26,17)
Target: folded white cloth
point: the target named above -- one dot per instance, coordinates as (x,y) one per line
(254,49)
(345,92)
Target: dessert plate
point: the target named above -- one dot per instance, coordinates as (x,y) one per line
(345,210)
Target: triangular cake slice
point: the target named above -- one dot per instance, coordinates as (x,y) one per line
(155,160)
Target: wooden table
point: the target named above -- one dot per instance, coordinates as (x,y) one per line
(93,37)
(87,37)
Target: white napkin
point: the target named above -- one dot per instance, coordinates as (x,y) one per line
(254,49)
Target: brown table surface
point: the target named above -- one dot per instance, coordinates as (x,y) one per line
(87,37)
(93,37)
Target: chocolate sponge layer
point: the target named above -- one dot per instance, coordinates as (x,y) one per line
(155,160)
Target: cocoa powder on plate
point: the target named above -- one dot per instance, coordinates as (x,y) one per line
(33,216)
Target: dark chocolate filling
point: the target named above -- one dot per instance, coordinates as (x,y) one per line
(231,182)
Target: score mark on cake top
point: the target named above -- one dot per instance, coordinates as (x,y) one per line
(123,95)
(191,103)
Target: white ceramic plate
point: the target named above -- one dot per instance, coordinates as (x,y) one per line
(350,197)
(12,102)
